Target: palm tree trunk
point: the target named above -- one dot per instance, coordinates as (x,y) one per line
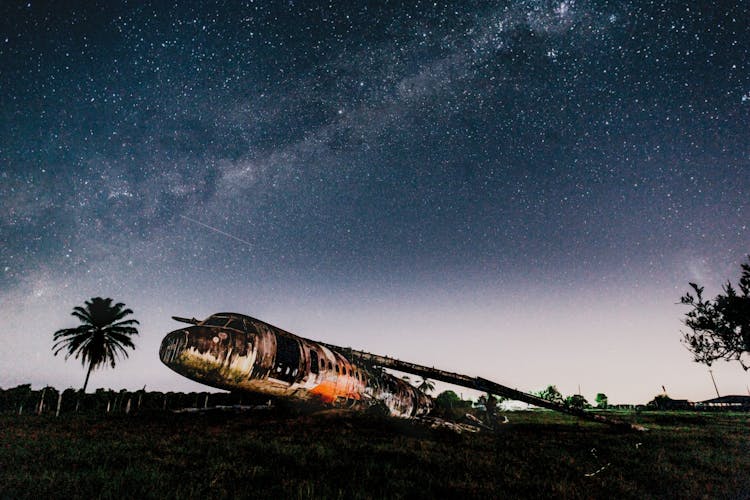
(91,365)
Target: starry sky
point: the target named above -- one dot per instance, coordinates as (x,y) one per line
(514,189)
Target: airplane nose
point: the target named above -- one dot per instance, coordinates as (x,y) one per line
(194,338)
(209,355)
(173,345)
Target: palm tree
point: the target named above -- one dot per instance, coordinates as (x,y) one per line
(426,386)
(102,336)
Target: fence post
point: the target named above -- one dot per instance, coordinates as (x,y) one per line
(41,402)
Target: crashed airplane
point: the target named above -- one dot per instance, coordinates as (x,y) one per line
(238,353)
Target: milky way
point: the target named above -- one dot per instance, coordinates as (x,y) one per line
(351,162)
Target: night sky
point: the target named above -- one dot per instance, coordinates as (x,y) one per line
(519,190)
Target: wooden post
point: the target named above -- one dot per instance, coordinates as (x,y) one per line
(140,397)
(41,402)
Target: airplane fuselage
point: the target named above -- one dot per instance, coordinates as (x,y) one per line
(238,353)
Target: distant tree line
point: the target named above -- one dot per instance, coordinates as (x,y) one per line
(551,393)
(50,401)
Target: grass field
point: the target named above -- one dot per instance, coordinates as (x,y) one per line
(347,455)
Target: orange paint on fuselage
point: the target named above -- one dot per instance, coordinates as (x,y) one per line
(326,391)
(340,387)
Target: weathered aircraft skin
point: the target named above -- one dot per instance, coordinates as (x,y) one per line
(238,353)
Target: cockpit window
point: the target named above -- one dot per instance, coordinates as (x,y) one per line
(216,321)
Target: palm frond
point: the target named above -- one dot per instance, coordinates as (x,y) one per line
(127,322)
(82,314)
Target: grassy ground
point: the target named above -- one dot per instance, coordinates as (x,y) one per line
(335,455)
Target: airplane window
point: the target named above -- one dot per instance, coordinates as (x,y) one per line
(330,366)
(338,370)
(313,362)
(288,357)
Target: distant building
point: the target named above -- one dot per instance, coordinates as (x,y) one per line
(664,402)
(677,404)
(739,403)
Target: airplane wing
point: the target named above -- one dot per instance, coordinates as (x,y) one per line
(482,385)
